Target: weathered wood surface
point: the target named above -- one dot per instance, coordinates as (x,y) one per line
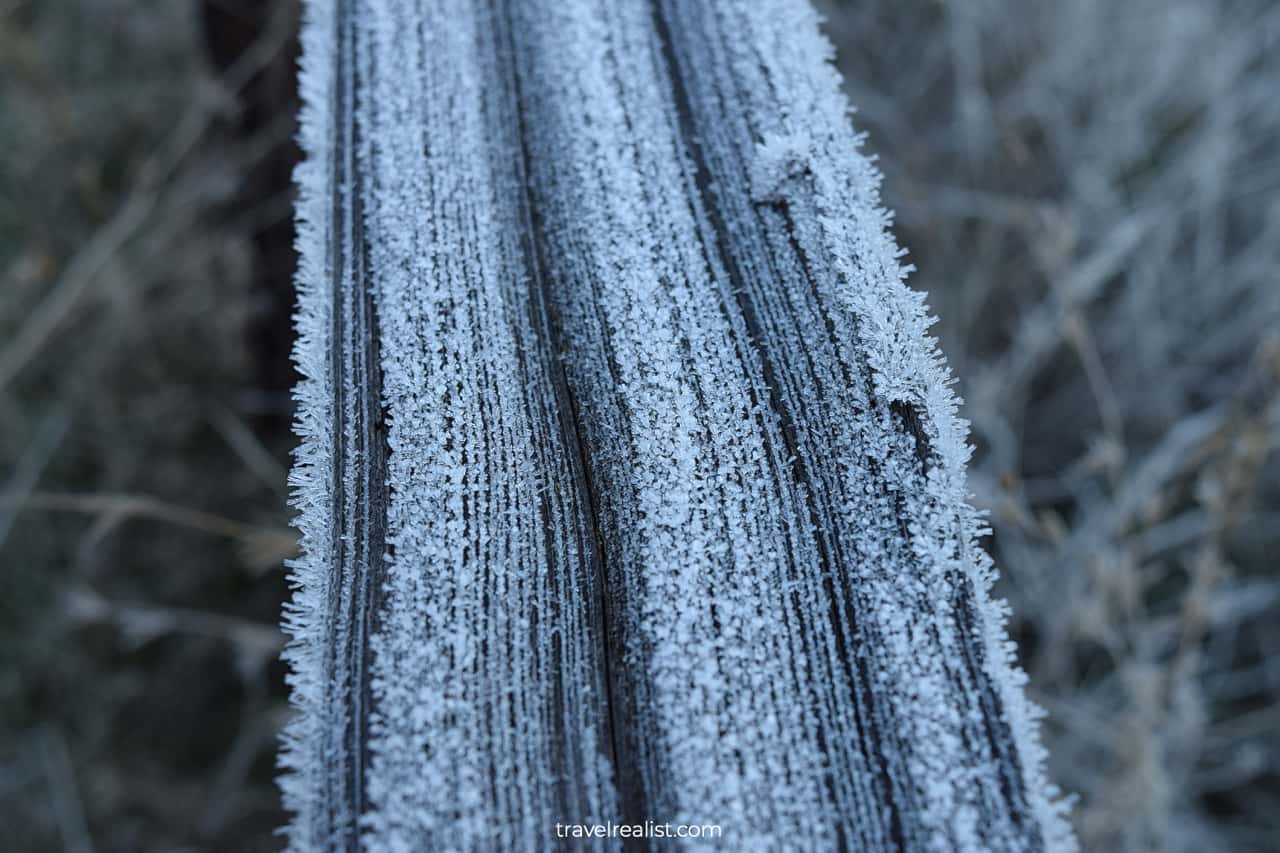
(631,485)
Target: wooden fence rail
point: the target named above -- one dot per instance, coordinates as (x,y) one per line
(631,484)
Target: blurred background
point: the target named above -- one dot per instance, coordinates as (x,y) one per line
(1090,190)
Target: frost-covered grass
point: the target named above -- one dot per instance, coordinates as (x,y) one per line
(141,522)
(1089,193)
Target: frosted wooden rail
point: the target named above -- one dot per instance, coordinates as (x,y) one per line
(631,486)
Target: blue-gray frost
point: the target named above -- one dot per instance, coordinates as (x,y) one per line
(631,484)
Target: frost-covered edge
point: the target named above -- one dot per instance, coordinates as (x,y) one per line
(908,368)
(311,479)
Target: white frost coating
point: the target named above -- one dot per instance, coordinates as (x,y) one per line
(647,229)
(449,679)
(303,755)
(489,725)
(696,534)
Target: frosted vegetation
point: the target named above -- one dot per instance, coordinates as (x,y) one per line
(631,482)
